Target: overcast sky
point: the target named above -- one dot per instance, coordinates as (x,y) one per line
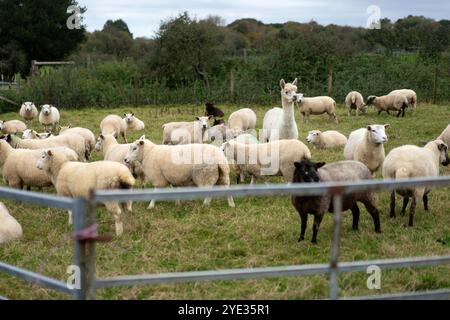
(144,16)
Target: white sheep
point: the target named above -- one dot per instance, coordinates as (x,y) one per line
(10,229)
(217,134)
(133,123)
(12,126)
(264,159)
(316,106)
(355,101)
(367,146)
(445,135)
(77,179)
(111,150)
(409,94)
(49,117)
(31,134)
(185,132)
(71,140)
(28,112)
(19,169)
(389,103)
(201,165)
(88,136)
(279,123)
(115,125)
(241,121)
(410,161)
(326,139)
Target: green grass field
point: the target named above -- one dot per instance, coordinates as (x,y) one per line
(258,232)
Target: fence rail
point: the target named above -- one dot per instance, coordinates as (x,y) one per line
(84,254)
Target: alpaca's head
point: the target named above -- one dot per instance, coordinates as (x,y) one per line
(289,91)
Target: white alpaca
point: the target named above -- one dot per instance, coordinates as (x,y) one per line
(280,123)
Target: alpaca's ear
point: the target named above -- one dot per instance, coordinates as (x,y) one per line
(282,83)
(320,164)
(295,82)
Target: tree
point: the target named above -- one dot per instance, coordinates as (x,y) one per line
(36,30)
(119,24)
(187,50)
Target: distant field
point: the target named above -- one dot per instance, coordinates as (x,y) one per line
(258,232)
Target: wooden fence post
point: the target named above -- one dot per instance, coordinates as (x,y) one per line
(330,81)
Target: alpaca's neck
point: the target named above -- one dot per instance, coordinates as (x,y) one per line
(288,111)
(108,143)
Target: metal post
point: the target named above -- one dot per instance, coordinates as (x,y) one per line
(334,272)
(84,250)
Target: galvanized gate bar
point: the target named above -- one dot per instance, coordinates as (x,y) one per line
(190,193)
(36,198)
(35,278)
(249,273)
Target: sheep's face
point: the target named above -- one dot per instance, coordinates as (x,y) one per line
(377,133)
(313,135)
(129,117)
(44,135)
(204,124)
(44,162)
(135,152)
(370,100)
(29,134)
(2,125)
(99,144)
(289,91)
(28,106)
(46,109)
(443,156)
(227,149)
(307,171)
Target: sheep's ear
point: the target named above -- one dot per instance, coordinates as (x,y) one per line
(442,146)
(141,142)
(102,137)
(50,153)
(210,117)
(282,83)
(320,164)
(132,113)
(386,126)
(197,118)
(295,82)
(70,125)
(142,137)
(369,128)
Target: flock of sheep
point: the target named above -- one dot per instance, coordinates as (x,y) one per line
(193,153)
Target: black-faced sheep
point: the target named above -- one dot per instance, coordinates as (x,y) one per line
(308,172)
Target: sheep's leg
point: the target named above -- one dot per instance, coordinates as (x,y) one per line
(70,217)
(304,224)
(231,202)
(374,213)
(303,117)
(405,204)
(403,112)
(379,112)
(355,213)
(124,136)
(335,118)
(349,113)
(317,220)
(207,201)
(398,113)
(114,208)
(128,206)
(412,210)
(425,201)
(392,205)
(151,205)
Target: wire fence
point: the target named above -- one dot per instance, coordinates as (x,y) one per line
(85,237)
